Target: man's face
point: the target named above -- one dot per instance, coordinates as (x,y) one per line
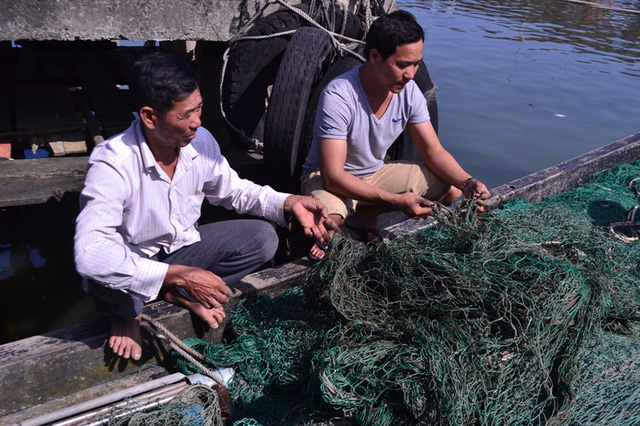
(178,126)
(400,68)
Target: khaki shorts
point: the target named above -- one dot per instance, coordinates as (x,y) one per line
(395,177)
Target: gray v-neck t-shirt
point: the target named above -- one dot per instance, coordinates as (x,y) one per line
(344,113)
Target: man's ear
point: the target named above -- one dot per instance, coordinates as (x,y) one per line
(148,117)
(375,56)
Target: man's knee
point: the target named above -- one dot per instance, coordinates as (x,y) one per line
(266,240)
(123,307)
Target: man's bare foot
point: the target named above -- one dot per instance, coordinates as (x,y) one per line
(125,339)
(213,317)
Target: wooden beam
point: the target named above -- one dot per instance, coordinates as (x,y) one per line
(27,182)
(111,108)
(106,99)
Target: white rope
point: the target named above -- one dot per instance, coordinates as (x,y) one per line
(368,19)
(631,222)
(341,47)
(178,345)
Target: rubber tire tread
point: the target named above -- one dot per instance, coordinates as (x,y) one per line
(339,67)
(304,61)
(252,67)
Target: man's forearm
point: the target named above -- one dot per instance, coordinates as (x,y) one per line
(352,187)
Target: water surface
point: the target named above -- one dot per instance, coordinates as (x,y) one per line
(523,85)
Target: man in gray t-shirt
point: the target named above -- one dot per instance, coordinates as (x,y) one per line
(360,114)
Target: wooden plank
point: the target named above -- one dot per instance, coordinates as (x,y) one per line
(72,141)
(6,112)
(113,386)
(54,66)
(121,61)
(7,68)
(92,125)
(106,99)
(569,174)
(26,66)
(27,182)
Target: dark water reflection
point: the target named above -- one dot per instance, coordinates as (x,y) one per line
(524,85)
(39,288)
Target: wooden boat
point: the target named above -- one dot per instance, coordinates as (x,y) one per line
(66,367)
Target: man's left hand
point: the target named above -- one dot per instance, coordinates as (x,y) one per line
(477,191)
(312,215)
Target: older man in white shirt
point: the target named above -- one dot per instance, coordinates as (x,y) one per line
(137,236)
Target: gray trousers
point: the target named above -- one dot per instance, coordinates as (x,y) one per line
(230,249)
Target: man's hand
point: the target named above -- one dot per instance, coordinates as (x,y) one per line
(414,206)
(312,215)
(475,190)
(205,286)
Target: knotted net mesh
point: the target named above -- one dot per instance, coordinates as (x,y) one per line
(524,315)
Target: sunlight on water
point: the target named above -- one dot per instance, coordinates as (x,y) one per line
(523,85)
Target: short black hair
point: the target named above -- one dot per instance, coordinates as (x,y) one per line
(159,79)
(392,30)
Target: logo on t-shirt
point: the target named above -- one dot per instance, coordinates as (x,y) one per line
(396,120)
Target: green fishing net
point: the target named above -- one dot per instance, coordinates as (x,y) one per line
(523,315)
(196,405)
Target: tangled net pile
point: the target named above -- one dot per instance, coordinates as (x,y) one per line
(524,315)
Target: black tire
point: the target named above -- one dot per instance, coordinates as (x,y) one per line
(339,67)
(305,60)
(252,67)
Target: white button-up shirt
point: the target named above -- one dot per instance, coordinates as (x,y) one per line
(130,209)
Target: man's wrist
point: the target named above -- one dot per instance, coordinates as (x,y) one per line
(465,182)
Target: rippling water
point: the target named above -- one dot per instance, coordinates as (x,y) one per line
(523,85)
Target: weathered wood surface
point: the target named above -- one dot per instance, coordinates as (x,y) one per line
(37,181)
(72,140)
(43,368)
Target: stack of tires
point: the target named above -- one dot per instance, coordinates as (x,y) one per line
(294,68)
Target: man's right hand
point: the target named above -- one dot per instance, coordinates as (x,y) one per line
(414,206)
(205,286)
